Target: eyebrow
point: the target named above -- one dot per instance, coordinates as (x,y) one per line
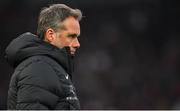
(73,35)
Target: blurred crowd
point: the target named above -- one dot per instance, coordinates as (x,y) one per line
(129,56)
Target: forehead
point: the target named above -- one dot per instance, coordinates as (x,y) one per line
(71,25)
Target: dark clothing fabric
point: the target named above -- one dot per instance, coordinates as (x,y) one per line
(42,76)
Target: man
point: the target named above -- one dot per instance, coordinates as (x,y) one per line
(43,62)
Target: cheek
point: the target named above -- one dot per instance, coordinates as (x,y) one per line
(65,42)
(68,41)
(71,42)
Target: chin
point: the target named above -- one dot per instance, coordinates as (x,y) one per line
(72,54)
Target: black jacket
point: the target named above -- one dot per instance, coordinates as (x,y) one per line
(42,76)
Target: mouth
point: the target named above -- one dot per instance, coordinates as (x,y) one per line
(73,52)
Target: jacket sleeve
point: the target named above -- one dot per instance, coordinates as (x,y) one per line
(37,84)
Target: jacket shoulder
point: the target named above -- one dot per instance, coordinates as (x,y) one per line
(37,71)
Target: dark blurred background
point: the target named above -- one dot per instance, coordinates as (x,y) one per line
(129,56)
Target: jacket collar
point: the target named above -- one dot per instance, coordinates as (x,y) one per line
(28,44)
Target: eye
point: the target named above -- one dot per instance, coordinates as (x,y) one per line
(72,35)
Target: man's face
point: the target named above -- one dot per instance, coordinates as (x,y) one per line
(67,36)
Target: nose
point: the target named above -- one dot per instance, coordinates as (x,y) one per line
(76,43)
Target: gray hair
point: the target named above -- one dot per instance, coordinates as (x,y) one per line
(53,16)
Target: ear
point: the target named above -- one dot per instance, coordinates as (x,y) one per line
(49,35)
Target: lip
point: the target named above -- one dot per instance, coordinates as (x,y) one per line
(73,52)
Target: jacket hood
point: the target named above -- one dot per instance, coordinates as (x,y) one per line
(28,44)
